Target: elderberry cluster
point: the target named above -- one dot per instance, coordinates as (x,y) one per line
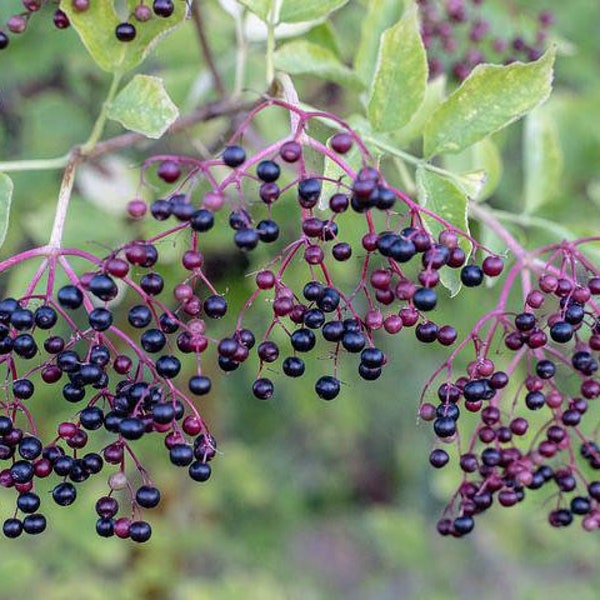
(535,430)
(124,32)
(458,37)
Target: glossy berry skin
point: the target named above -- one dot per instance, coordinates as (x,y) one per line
(34,524)
(147,496)
(424,299)
(268,171)
(234,156)
(140,531)
(125,32)
(12,528)
(471,275)
(70,296)
(199,471)
(163,8)
(64,494)
(199,385)
(327,387)
(293,366)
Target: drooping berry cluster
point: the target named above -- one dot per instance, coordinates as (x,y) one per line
(458,37)
(535,429)
(124,32)
(117,342)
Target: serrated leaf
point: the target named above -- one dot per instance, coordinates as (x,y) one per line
(543,159)
(96,28)
(260,8)
(304,58)
(491,98)
(6,192)
(295,11)
(400,80)
(144,106)
(445,199)
(381,14)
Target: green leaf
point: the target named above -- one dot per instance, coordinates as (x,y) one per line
(491,98)
(324,35)
(144,106)
(6,191)
(294,11)
(445,199)
(260,8)
(398,87)
(483,156)
(304,58)
(381,14)
(543,159)
(96,28)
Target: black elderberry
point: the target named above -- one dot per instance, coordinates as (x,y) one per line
(464,525)
(12,528)
(327,387)
(234,156)
(438,458)
(45,317)
(263,388)
(4,40)
(471,275)
(168,366)
(22,471)
(309,191)
(303,340)
(424,299)
(268,231)
(246,338)
(64,494)
(313,290)
(372,357)
(153,340)
(427,332)
(131,428)
(268,351)
(28,502)
(525,321)
(580,505)
(369,373)
(199,471)
(22,319)
(160,210)
(6,425)
(125,32)
(444,427)
(105,527)
(163,8)
(383,198)
(7,307)
(215,306)
(100,319)
(574,314)
(23,389)
(147,496)
(24,346)
(293,366)
(199,385)
(246,239)
(401,250)
(140,531)
(561,332)
(448,410)
(34,524)
(268,171)
(202,220)
(163,413)
(329,300)
(63,465)
(353,341)
(181,455)
(30,448)
(333,331)
(545,369)
(103,287)
(70,296)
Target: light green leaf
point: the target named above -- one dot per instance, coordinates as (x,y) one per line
(543,159)
(304,58)
(260,8)
(6,191)
(144,106)
(398,87)
(491,98)
(324,35)
(434,96)
(381,14)
(294,11)
(445,199)
(482,157)
(96,28)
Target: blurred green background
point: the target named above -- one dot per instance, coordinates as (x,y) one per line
(308,500)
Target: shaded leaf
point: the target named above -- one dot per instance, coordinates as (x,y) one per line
(144,106)
(260,8)
(491,98)
(543,159)
(445,199)
(294,11)
(304,58)
(400,80)
(6,191)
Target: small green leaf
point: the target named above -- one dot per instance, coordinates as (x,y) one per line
(445,199)
(381,14)
(398,87)
(144,106)
(543,159)
(491,98)
(483,156)
(260,8)
(295,11)
(6,191)
(304,58)
(96,28)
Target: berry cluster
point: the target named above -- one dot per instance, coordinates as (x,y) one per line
(118,342)
(458,37)
(124,32)
(534,428)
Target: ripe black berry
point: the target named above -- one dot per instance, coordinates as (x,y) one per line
(327,387)
(147,496)
(64,494)
(268,171)
(471,275)
(424,299)
(125,32)
(234,156)
(163,8)
(140,531)
(70,296)
(45,317)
